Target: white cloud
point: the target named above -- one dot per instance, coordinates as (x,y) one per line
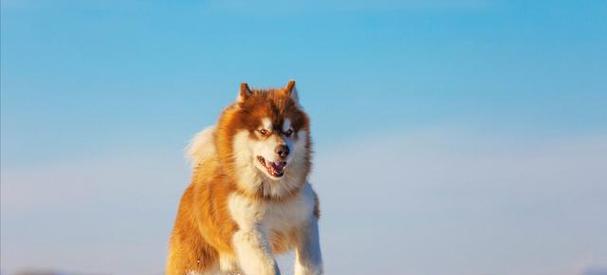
(104,215)
(447,203)
(435,202)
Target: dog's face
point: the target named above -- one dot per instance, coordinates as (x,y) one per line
(274,135)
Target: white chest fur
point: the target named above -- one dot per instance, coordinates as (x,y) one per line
(273,216)
(261,222)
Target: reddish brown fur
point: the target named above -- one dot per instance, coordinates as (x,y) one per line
(203,227)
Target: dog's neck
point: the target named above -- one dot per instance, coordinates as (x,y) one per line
(255,183)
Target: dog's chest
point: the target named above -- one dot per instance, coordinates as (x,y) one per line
(273,216)
(285,216)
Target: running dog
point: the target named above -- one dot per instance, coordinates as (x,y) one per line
(249,198)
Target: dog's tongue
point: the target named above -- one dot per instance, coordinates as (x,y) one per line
(278,165)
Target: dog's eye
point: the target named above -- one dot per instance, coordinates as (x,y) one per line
(289,132)
(264,132)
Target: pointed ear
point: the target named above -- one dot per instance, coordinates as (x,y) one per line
(244,93)
(291,90)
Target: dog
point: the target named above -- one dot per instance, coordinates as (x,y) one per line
(249,198)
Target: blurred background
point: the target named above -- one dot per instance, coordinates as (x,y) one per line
(455,137)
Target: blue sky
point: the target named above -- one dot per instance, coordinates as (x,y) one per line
(92,87)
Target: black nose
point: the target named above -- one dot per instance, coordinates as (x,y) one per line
(282,151)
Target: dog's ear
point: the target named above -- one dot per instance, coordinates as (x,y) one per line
(245,92)
(291,90)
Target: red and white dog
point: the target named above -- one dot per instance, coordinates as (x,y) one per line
(249,198)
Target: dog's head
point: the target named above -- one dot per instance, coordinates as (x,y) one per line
(270,134)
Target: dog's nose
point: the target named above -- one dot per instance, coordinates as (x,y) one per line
(282,151)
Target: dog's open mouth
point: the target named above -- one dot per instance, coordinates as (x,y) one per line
(276,168)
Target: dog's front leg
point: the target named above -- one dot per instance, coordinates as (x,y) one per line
(308,258)
(254,253)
